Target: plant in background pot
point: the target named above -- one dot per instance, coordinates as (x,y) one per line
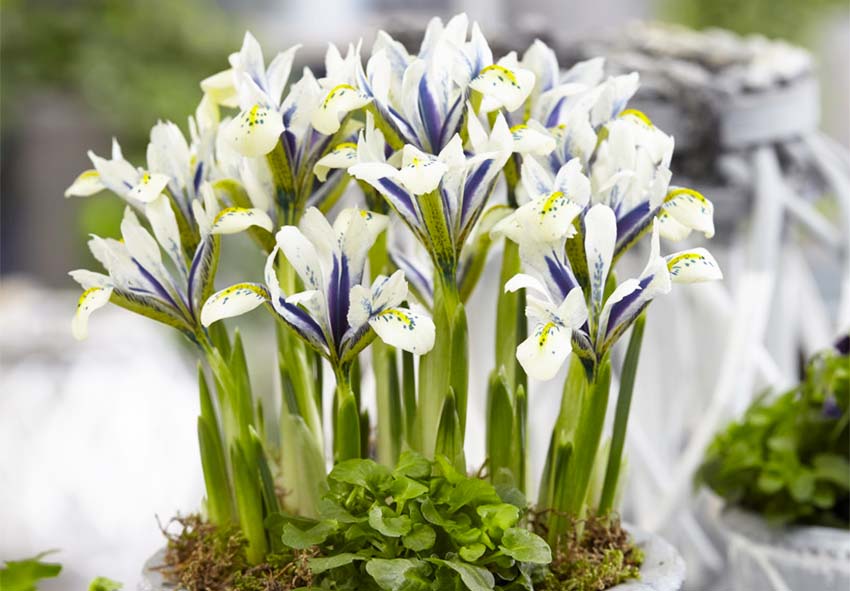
(431,139)
(783,473)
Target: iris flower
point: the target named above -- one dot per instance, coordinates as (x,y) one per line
(420,99)
(138,278)
(291,130)
(337,313)
(560,308)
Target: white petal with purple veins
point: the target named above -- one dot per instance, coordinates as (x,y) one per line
(693,266)
(233,301)
(600,233)
(233,220)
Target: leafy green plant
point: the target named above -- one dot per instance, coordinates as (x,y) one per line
(24,575)
(422,525)
(788,458)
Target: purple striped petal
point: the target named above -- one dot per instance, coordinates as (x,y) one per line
(631,225)
(555,113)
(475,191)
(452,123)
(156,285)
(338,298)
(560,275)
(429,111)
(400,199)
(628,308)
(302,322)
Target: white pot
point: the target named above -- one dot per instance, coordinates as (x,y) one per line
(663,568)
(765,558)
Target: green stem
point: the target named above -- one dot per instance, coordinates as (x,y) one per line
(587,436)
(439,370)
(621,418)
(347,444)
(510,319)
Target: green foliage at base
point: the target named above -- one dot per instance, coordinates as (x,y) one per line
(422,526)
(788,458)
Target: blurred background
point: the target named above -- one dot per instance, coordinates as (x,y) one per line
(96,439)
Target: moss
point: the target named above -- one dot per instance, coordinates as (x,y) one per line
(204,557)
(595,555)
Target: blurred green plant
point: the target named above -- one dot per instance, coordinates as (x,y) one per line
(793,20)
(126,62)
(24,575)
(788,459)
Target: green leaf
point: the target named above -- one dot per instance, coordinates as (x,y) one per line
(413,465)
(498,517)
(249,503)
(782,443)
(216,482)
(420,538)
(802,487)
(362,472)
(300,539)
(500,429)
(524,546)
(404,489)
(387,523)
(769,483)
(473,492)
(449,435)
(475,578)
(832,468)
(104,584)
(399,574)
(472,552)
(23,575)
(321,564)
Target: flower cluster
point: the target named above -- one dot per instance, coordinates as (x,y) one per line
(432,140)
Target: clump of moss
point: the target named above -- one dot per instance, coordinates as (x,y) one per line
(201,556)
(595,555)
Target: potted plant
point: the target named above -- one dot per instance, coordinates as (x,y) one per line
(783,474)
(429,139)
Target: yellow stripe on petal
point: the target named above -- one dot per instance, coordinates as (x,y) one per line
(342,156)
(149,187)
(543,353)
(691,209)
(693,266)
(500,72)
(254,132)
(88,183)
(233,220)
(233,301)
(405,329)
(91,300)
(501,86)
(340,100)
(638,114)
